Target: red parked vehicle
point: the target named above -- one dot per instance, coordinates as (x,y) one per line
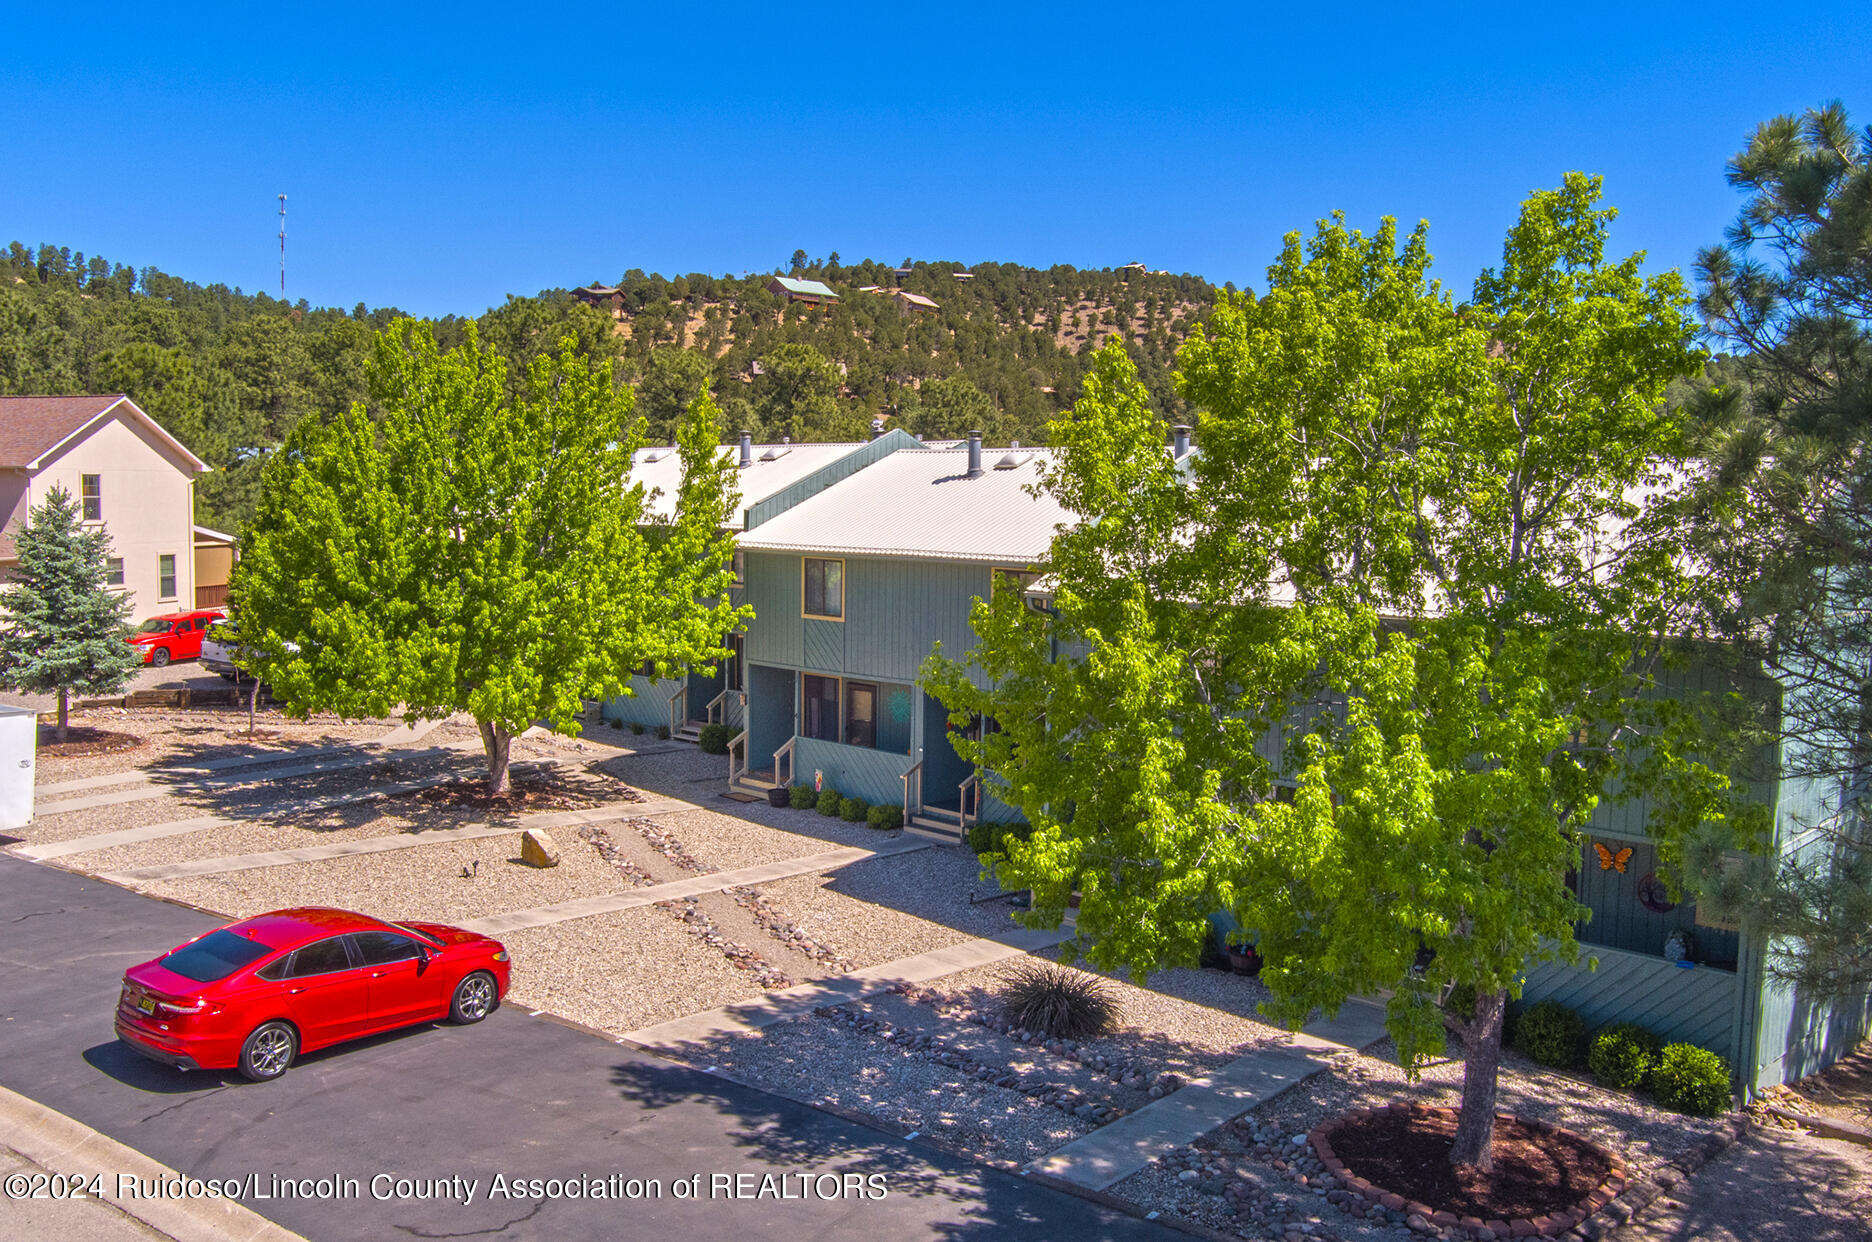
(173,636)
(255,994)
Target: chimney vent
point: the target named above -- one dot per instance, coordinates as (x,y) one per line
(974,455)
(1179,441)
(747,449)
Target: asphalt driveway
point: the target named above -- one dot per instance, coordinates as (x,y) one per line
(518,1096)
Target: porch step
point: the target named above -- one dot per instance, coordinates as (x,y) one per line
(948,832)
(942,815)
(749,783)
(690,732)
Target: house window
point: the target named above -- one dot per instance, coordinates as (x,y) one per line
(92,487)
(825,589)
(113,571)
(1002,579)
(647,670)
(165,576)
(861,702)
(819,707)
(737,644)
(740,567)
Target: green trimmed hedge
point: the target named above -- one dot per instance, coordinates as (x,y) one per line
(885,817)
(713,739)
(854,810)
(829,800)
(1621,1056)
(1692,1080)
(802,797)
(1550,1034)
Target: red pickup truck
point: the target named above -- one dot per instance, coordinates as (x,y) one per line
(173,636)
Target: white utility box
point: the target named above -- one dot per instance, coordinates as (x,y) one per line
(19,745)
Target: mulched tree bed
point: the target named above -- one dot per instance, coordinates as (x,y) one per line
(1542,1174)
(83,740)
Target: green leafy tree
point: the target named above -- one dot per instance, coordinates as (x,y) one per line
(672,379)
(450,547)
(1363,676)
(64,628)
(1785,521)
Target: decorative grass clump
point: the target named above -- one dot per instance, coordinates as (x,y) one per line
(830,803)
(801,797)
(637,727)
(1691,1080)
(885,817)
(1621,1056)
(1058,1003)
(854,810)
(1550,1034)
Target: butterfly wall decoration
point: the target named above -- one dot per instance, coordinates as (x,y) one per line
(1609,861)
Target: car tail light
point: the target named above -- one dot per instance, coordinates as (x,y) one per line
(198,1005)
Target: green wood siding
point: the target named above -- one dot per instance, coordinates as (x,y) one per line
(822,645)
(1693,1006)
(855,771)
(1620,921)
(647,704)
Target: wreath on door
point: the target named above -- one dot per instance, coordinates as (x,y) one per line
(1652,894)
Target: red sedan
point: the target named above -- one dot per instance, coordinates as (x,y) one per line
(173,636)
(255,994)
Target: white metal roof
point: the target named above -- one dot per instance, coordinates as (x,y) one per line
(776,467)
(919,503)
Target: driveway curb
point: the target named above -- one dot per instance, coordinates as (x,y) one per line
(59,1144)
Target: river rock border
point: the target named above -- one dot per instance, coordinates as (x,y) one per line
(1421,1218)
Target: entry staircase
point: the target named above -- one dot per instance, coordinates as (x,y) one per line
(947,824)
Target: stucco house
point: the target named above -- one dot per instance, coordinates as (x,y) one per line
(127,474)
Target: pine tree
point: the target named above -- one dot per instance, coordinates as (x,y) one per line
(64,628)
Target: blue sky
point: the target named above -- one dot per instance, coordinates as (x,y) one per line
(439,160)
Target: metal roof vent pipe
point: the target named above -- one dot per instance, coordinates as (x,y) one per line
(974,457)
(747,449)
(1179,441)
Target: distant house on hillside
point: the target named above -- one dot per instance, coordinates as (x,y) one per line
(911,304)
(963,275)
(810,292)
(1133,268)
(604,297)
(127,475)
(900,274)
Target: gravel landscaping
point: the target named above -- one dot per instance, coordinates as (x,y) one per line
(618,972)
(424,882)
(722,840)
(354,821)
(1251,1177)
(185,737)
(1158,1032)
(885,908)
(822,1061)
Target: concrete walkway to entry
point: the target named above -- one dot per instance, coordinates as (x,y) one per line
(1112,1153)
(798,1001)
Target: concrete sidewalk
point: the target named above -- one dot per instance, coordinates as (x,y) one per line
(1112,1153)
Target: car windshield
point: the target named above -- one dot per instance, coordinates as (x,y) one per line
(155,625)
(215,956)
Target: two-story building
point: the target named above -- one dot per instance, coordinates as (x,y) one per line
(126,473)
(772,479)
(850,590)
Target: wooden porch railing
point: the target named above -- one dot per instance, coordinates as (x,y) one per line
(678,716)
(913,790)
(969,791)
(715,713)
(737,757)
(787,752)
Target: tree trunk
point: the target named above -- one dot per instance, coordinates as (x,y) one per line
(64,711)
(1475,1122)
(253,701)
(497,742)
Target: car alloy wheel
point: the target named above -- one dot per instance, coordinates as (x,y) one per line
(268,1051)
(474,998)
(159,657)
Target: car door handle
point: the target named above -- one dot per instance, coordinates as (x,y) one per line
(294,991)
(376,974)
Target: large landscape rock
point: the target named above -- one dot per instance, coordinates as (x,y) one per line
(537,849)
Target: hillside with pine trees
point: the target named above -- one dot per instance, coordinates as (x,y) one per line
(994,346)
